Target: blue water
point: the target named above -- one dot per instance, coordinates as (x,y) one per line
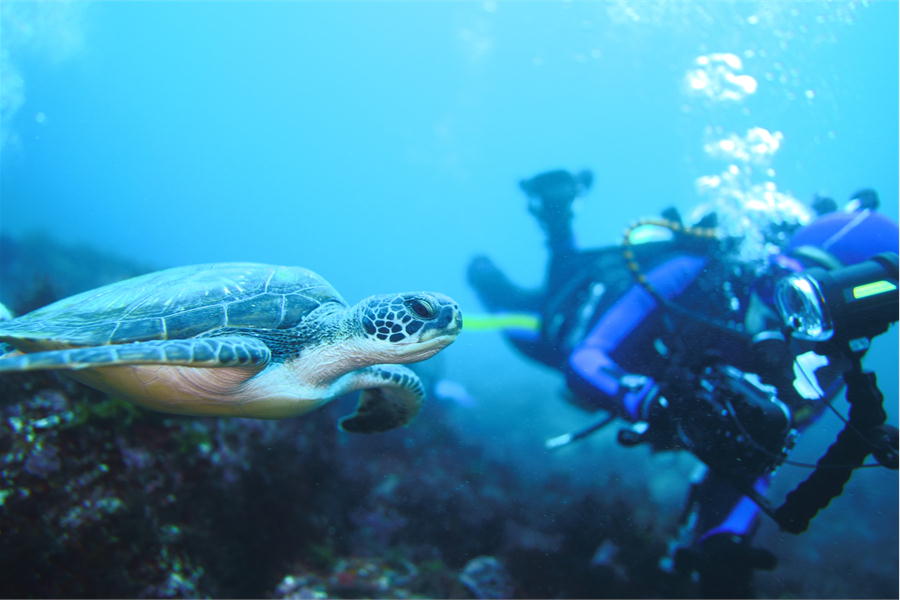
(379,143)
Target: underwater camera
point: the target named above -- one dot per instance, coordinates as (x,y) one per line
(842,310)
(726,417)
(843,305)
(732,422)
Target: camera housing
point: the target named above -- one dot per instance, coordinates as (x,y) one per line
(734,423)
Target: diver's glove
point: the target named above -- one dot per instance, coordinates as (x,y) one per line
(653,420)
(638,395)
(599,383)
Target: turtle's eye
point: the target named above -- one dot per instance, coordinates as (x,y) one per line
(421,308)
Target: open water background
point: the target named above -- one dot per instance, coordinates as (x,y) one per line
(379,143)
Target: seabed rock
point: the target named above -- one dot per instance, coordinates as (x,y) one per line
(100,498)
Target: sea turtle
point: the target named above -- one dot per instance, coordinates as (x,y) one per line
(239,339)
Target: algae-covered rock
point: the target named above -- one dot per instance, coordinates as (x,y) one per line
(99,498)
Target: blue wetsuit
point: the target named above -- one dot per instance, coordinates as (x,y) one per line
(597,371)
(594,372)
(623,336)
(591,361)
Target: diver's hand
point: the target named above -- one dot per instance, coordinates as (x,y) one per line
(638,392)
(653,419)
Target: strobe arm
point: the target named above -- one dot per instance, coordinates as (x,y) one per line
(847,453)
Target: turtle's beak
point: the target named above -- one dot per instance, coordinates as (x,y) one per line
(448,323)
(424,349)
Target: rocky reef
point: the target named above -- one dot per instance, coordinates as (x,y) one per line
(103,499)
(100,498)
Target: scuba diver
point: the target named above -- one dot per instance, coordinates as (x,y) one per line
(676,332)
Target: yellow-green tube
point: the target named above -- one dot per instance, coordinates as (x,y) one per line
(493,322)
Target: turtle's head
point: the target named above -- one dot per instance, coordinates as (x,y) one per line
(408,327)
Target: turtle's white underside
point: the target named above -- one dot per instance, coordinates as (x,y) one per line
(272,393)
(275,391)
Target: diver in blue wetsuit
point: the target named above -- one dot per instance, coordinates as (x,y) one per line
(645,331)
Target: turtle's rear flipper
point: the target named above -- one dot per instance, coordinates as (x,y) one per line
(230,351)
(392,395)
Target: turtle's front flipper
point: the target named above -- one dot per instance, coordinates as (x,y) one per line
(392,395)
(226,351)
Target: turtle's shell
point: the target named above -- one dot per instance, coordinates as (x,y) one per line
(178,303)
